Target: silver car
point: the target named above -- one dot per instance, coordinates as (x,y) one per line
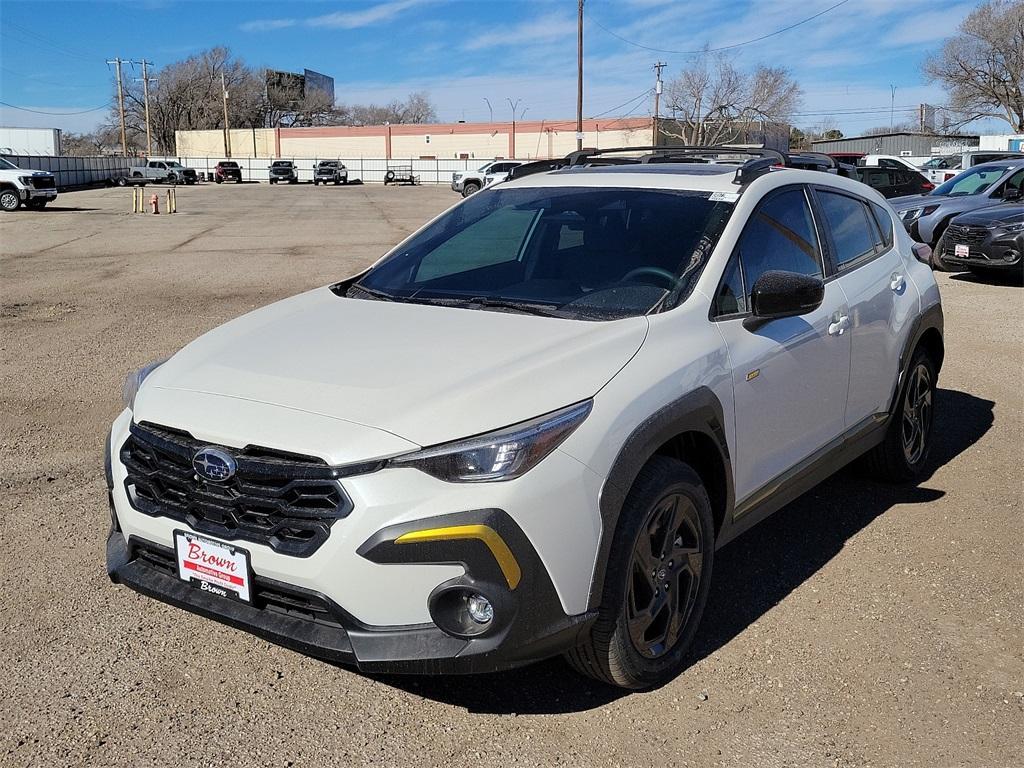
(926,216)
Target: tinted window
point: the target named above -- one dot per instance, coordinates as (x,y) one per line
(780,236)
(853,231)
(732,298)
(1014,182)
(592,253)
(884,219)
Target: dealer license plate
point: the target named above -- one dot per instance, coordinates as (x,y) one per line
(961,251)
(213,566)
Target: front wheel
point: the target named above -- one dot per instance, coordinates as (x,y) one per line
(469,188)
(657,581)
(902,456)
(36,205)
(9,200)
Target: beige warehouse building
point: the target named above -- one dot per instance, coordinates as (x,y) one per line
(466,141)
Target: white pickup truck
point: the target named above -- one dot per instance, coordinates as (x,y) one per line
(468,182)
(20,186)
(170,171)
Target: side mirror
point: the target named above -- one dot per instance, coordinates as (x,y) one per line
(785,294)
(922,253)
(1011,193)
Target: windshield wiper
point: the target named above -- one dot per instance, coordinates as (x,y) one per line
(542,310)
(373,292)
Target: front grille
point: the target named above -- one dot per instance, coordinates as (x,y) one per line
(43,182)
(966,235)
(267,595)
(285,501)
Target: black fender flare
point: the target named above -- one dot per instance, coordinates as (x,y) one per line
(697,411)
(931,319)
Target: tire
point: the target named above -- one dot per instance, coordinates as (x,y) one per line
(122,181)
(903,455)
(664,625)
(337,182)
(469,188)
(218,179)
(172,179)
(9,200)
(345,181)
(36,205)
(273,181)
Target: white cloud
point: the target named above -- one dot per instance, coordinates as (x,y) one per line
(356,19)
(267,25)
(552,26)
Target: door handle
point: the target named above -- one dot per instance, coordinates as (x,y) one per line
(897,282)
(838,325)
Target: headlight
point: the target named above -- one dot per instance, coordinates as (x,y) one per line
(26,180)
(501,455)
(134,380)
(916,213)
(1015,227)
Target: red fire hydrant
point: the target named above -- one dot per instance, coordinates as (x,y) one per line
(154,203)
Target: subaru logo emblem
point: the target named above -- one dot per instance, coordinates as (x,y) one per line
(213,464)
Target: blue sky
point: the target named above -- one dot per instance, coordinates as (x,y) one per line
(52,54)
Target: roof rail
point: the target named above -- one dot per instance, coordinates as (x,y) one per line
(662,154)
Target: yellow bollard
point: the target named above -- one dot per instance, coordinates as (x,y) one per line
(172,201)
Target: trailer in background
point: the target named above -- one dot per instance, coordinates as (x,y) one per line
(30,141)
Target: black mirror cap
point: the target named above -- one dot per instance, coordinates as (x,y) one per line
(785,294)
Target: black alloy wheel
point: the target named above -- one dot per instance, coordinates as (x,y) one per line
(665,573)
(917,414)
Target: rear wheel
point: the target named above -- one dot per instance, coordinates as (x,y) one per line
(9,200)
(902,456)
(656,586)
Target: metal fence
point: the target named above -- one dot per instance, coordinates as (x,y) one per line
(76,171)
(366,169)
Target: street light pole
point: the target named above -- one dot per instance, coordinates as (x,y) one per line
(579,77)
(515,106)
(489,110)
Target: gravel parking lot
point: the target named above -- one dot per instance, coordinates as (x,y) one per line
(864,625)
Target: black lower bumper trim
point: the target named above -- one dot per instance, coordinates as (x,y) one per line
(333,635)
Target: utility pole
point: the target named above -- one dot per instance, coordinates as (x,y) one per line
(145,91)
(227,130)
(892,106)
(120,104)
(579,78)
(657,97)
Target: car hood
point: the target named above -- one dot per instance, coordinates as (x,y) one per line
(424,374)
(999,215)
(906,202)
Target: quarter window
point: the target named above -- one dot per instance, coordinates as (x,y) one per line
(853,231)
(884,219)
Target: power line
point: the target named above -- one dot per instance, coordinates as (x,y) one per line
(40,112)
(36,79)
(45,41)
(724,47)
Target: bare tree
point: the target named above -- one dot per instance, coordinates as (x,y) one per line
(713,102)
(105,140)
(417,108)
(982,66)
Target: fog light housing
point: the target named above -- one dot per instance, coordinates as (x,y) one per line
(480,609)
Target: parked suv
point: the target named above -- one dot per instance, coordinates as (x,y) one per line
(927,216)
(227,170)
(892,181)
(20,186)
(467,458)
(987,241)
(283,171)
(468,182)
(330,172)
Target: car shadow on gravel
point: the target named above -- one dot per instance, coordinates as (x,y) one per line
(1008,277)
(752,575)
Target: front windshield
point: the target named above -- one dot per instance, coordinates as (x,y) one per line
(283,164)
(172,164)
(584,253)
(972,182)
(942,162)
(7,165)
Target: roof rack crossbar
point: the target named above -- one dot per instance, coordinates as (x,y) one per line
(655,154)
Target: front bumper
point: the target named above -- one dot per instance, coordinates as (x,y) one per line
(30,193)
(528,626)
(1005,252)
(364,598)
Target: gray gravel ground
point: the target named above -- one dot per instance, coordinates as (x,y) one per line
(863,625)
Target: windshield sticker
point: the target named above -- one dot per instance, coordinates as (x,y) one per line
(724,197)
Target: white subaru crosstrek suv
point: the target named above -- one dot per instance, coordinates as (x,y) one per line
(526,430)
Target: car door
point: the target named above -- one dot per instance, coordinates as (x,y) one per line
(790,375)
(872,273)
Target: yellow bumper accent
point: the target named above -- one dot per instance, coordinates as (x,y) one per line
(486,534)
